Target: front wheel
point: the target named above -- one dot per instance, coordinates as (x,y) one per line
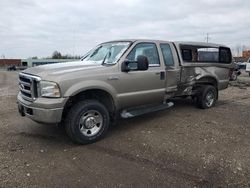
(207,97)
(87,121)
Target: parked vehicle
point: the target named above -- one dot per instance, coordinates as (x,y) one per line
(242,65)
(11,68)
(248,67)
(123,79)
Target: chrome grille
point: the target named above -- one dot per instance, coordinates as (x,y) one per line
(28,85)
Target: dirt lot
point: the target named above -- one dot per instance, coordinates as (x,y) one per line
(181,147)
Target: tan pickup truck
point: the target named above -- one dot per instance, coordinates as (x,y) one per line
(124,79)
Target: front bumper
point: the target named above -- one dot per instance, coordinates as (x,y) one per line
(43,110)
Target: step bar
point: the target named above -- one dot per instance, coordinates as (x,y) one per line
(130,113)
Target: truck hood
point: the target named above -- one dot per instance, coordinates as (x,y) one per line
(59,69)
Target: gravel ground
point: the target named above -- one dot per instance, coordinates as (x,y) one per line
(180,147)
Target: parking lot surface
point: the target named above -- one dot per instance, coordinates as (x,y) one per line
(180,147)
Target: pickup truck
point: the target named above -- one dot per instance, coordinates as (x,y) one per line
(122,79)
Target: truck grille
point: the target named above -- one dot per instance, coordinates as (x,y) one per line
(28,85)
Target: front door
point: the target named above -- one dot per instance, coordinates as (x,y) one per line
(142,87)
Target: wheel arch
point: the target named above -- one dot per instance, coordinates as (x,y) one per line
(207,80)
(98,94)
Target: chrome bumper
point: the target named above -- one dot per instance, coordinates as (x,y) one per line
(41,115)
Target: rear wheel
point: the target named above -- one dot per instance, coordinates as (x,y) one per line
(87,121)
(207,97)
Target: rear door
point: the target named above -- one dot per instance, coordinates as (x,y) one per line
(170,59)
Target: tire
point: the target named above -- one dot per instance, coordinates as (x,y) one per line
(87,122)
(207,97)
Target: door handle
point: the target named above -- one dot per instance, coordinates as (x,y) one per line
(113,78)
(162,75)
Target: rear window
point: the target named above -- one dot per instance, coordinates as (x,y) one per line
(206,54)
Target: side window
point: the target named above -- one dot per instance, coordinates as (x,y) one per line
(206,54)
(225,55)
(186,55)
(147,49)
(167,54)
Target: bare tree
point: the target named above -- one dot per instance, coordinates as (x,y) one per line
(56,55)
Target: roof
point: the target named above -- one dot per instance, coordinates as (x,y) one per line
(176,42)
(198,44)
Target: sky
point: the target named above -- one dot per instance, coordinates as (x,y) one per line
(39,27)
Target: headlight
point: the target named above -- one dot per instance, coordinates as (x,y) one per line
(49,89)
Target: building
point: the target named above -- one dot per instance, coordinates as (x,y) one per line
(36,62)
(246,53)
(9,62)
(240,59)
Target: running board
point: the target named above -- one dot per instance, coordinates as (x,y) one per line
(145,110)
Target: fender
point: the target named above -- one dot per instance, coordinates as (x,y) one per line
(92,84)
(203,75)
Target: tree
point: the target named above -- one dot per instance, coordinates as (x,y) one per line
(56,55)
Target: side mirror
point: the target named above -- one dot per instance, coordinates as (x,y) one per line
(140,64)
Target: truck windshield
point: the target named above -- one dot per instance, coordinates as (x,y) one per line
(107,53)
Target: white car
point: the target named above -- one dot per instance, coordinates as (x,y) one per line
(248,66)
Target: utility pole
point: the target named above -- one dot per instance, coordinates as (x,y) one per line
(207,37)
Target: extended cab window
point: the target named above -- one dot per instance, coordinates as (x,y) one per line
(167,54)
(206,54)
(147,49)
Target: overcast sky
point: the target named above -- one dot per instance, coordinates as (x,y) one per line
(39,27)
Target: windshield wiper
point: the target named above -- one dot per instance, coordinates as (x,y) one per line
(107,55)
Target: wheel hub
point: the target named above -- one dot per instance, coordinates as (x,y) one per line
(90,122)
(210,99)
